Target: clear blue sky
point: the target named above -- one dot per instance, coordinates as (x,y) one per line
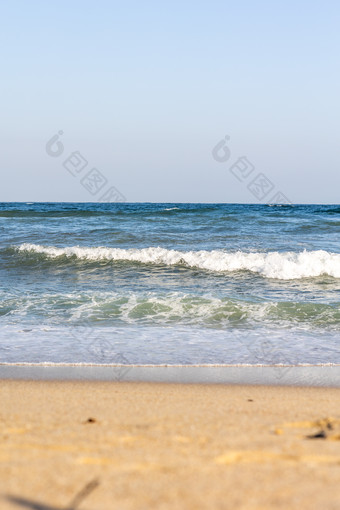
(145,90)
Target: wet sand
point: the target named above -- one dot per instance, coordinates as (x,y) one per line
(134,445)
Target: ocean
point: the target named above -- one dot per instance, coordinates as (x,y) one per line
(177,284)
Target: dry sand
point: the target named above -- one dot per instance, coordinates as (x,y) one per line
(162,446)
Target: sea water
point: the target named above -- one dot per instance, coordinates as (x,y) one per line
(169,283)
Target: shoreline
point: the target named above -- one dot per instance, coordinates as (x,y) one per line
(283,375)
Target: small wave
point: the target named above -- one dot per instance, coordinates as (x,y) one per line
(281,205)
(31,213)
(107,308)
(278,265)
(329,210)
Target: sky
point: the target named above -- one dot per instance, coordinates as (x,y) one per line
(144,91)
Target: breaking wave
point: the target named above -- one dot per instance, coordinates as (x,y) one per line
(278,265)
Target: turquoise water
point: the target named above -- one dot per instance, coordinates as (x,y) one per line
(169,283)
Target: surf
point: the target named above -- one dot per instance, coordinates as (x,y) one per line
(274,265)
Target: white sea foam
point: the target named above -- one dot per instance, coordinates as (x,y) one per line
(166,309)
(283,266)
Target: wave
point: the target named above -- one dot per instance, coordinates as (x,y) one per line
(37,210)
(329,210)
(278,265)
(32,213)
(107,308)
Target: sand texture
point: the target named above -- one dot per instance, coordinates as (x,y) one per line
(97,446)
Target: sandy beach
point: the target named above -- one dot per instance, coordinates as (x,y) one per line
(104,445)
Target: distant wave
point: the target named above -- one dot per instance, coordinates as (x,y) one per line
(36,210)
(329,210)
(53,213)
(283,266)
